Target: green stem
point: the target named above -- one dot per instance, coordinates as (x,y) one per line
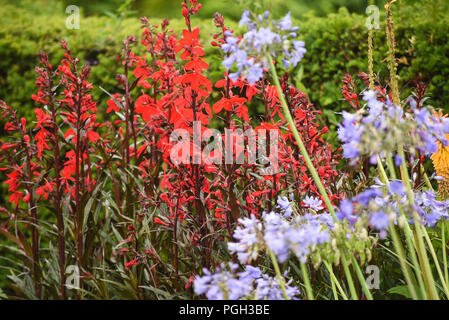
(403,262)
(427,272)
(443,247)
(298,139)
(409,238)
(305,276)
(278,273)
(370,54)
(334,289)
(304,153)
(362,279)
(348,275)
(426,178)
(395,237)
(391,167)
(335,280)
(437,263)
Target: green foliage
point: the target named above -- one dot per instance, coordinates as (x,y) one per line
(336,45)
(229,8)
(98,42)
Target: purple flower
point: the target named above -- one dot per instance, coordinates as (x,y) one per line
(286,63)
(285,206)
(430,209)
(397,187)
(421,116)
(373,159)
(346,208)
(268,288)
(228,62)
(349,132)
(298,52)
(431,128)
(286,22)
(251,283)
(397,160)
(346,212)
(234,76)
(369,95)
(251,273)
(350,150)
(261,41)
(241,59)
(255,73)
(382,127)
(247,237)
(379,220)
(245,19)
(231,44)
(297,237)
(366,196)
(313,203)
(261,37)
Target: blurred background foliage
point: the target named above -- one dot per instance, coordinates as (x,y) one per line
(166,8)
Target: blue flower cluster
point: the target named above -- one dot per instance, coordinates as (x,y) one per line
(313,203)
(299,236)
(285,206)
(251,283)
(368,131)
(381,127)
(430,209)
(431,128)
(379,209)
(250,53)
(372,206)
(250,237)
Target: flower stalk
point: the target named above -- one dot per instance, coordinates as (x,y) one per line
(278,273)
(298,139)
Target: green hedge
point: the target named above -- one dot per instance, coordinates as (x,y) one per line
(336,45)
(23,34)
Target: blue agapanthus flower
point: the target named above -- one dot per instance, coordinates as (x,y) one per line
(313,203)
(285,205)
(248,236)
(430,209)
(249,55)
(233,285)
(431,128)
(380,209)
(297,236)
(293,237)
(381,127)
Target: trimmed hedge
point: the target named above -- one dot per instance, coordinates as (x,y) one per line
(98,42)
(336,45)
